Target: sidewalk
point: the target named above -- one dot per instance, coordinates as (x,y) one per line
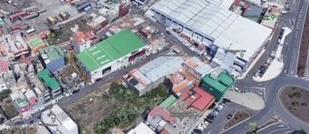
(249,100)
(276,66)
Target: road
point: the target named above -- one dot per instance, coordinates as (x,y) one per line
(287,78)
(295,20)
(88,89)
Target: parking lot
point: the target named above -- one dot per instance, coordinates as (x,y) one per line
(221,115)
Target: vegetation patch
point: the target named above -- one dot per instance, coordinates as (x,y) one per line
(8,108)
(127,106)
(113,106)
(296,101)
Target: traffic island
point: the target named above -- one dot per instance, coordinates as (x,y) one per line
(296,100)
(237,118)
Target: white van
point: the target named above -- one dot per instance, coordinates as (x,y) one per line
(31,30)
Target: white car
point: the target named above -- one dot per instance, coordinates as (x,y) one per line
(54,102)
(42,108)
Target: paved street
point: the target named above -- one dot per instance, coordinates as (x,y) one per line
(268,89)
(84,91)
(287,78)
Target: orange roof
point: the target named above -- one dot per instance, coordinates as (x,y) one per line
(189,76)
(176,78)
(189,62)
(83,37)
(179,87)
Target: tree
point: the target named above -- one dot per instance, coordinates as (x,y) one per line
(4,94)
(301,131)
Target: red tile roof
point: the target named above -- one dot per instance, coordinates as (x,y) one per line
(198,98)
(164,114)
(204,101)
(4,66)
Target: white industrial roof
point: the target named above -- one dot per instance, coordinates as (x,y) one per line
(213,19)
(141,128)
(161,66)
(58,121)
(156,69)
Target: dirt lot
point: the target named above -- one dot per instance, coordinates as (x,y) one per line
(26,130)
(8,108)
(238,117)
(303,49)
(90,110)
(296,101)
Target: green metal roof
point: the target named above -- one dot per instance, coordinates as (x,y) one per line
(48,80)
(36,42)
(168,102)
(214,83)
(109,50)
(53,52)
(226,79)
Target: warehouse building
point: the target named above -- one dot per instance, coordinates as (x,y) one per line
(152,74)
(111,54)
(217,83)
(53,58)
(209,25)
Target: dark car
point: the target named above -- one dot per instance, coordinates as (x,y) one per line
(229,116)
(75,91)
(225,100)
(197,131)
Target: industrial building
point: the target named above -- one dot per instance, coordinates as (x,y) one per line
(217,83)
(209,25)
(152,74)
(53,58)
(111,54)
(58,122)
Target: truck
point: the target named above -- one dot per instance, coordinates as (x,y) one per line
(64,15)
(52,20)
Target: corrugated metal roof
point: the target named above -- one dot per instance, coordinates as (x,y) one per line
(226,79)
(212,19)
(161,66)
(168,102)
